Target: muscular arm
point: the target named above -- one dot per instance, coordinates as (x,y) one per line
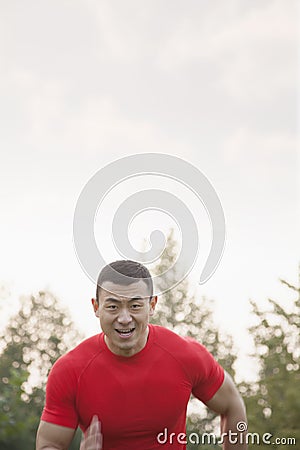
(228,403)
(53,437)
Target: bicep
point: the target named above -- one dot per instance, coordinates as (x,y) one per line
(51,436)
(227,397)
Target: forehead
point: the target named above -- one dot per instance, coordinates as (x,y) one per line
(112,290)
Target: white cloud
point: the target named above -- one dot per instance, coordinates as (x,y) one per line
(86,82)
(250,53)
(271,148)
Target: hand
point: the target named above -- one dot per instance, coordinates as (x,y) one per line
(92,439)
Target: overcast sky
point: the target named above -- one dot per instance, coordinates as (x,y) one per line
(86,82)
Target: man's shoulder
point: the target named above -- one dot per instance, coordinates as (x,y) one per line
(165,333)
(193,356)
(88,345)
(80,355)
(171,341)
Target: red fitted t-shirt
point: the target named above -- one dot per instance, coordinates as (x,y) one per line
(135,398)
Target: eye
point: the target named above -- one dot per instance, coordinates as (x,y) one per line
(111,307)
(136,306)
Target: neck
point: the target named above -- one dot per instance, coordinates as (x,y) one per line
(130,351)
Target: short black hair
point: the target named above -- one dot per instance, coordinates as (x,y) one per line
(132,270)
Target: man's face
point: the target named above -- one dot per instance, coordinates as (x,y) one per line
(124,313)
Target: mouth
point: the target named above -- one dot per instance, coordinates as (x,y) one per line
(125,333)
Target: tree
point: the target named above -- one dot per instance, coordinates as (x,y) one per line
(182,312)
(273,402)
(34,338)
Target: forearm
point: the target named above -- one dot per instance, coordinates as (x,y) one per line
(234,428)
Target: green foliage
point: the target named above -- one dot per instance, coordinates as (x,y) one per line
(41,331)
(34,338)
(14,424)
(273,403)
(180,311)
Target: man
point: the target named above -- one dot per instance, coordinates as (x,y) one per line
(133,381)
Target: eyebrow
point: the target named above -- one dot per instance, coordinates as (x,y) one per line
(112,299)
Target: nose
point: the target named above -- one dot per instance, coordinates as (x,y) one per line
(124,317)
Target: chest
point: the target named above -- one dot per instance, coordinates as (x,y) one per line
(140,397)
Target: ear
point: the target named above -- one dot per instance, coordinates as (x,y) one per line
(95,306)
(153,302)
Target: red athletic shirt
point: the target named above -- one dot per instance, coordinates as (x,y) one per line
(135,398)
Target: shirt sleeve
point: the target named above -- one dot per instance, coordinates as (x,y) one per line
(60,405)
(207,374)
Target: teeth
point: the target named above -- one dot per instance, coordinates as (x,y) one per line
(125,331)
